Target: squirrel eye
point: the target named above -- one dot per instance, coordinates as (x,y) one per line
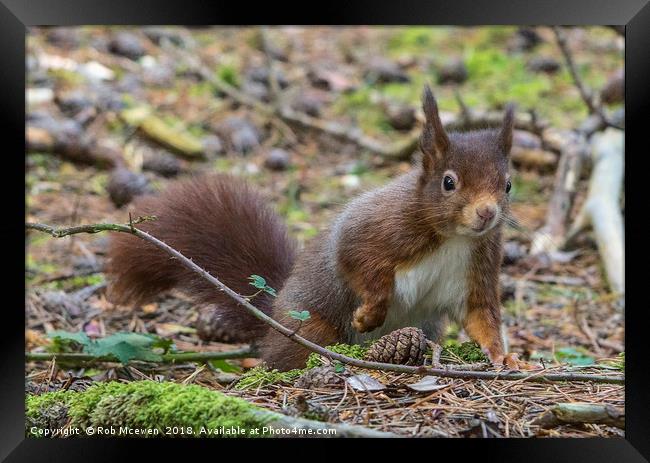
(448,183)
(508,186)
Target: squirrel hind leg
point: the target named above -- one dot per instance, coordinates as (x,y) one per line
(221,324)
(282,353)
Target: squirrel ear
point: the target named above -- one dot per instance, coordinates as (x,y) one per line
(505,135)
(433,142)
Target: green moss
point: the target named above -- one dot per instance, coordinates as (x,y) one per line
(229,74)
(202,89)
(453,330)
(489,65)
(350,350)
(362,105)
(223,165)
(47,410)
(618,362)
(469,352)
(574,356)
(514,308)
(563,295)
(416,39)
(261,376)
(526,189)
(38,267)
(76,282)
(67,77)
(98,183)
(147,405)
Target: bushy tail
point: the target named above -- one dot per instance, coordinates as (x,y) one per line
(224,226)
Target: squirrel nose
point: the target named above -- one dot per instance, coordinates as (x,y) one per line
(486,212)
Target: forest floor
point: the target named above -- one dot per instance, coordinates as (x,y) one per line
(558,310)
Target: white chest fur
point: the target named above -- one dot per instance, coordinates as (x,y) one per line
(436,286)
(438,281)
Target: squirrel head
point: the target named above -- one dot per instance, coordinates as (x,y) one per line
(464,181)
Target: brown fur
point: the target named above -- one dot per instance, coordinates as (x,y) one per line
(483,320)
(345,276)
(280,352)
(226,228)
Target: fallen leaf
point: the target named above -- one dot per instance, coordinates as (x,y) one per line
(492,416)
(170,329)
(150,308)
(365,382)
(426,384)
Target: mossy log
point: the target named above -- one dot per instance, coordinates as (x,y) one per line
(152,409)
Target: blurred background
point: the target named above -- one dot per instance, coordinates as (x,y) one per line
(312,117)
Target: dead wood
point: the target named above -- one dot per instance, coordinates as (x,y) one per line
(581,413)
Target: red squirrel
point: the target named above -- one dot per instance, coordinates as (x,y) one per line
(419,251)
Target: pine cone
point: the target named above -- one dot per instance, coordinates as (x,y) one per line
(318,377)
(405,346)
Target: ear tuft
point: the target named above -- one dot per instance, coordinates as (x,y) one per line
(429,104)
(505,135)
(434,141)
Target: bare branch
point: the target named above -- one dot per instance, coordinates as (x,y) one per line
(177,357)
(443,372)
(585,94)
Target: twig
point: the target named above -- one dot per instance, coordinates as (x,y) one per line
(92,228)
(577,413)
(585,94)
(273,71)
(177,357)
(465,113)
(504,375)
(277,99)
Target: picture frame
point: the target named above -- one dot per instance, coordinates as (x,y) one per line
(17,15)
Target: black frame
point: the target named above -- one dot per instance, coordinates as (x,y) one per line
(17,15)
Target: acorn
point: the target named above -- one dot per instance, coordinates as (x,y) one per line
(405,346)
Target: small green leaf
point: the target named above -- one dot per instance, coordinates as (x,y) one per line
(165,344)
(302,316)
(573,356)
(225,366)
(80,337)
(339,367)
(257,281)
(123,346)
(260,283)
(124,352)
(134,339)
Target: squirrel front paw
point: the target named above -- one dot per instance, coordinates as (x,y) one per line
(512,362)
(367,318)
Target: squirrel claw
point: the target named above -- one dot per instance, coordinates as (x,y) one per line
(512,362)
